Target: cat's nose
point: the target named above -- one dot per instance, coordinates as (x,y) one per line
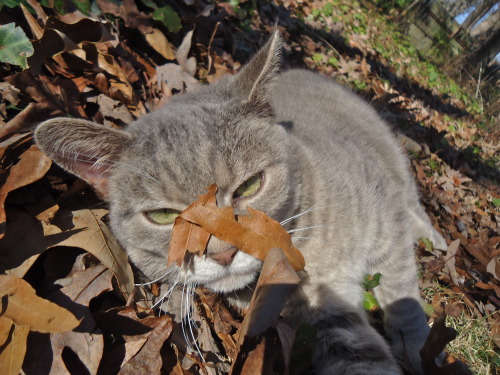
(224,258)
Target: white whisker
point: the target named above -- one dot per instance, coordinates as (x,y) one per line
(184,334)
(189,296)
(306,212)
(296,216)
(168,293)
(312,227)
(155,280)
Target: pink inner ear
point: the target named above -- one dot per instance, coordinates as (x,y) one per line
(96,175)
(98,178)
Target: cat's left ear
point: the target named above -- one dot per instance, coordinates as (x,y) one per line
(86,149)
(254,81)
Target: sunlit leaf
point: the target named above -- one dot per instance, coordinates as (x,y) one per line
(24,307)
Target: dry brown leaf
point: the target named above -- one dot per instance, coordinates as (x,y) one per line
(31,115)
(259,341)
(187,64)
(450,261)
(159,42)
(364,67)
(13,347)
(188,237)
(255,234)
(34,26)
(48,46)
(24,307)
(276,283)
(42,16)
(32,166)
(120,88)
(220,319)
(85,29)
(27,240)
(176,78)
(87,341)
(148,360)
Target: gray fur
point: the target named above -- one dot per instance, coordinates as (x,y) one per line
(324,152)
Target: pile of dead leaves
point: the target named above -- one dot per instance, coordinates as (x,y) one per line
(112,63)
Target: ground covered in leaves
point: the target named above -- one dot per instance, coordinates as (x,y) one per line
(113,63)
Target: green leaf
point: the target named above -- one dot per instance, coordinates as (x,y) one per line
(317,57)
(15,46)
(333,61)
(150,4)
(370,303)
(169,17)
(59,7)
(10,3)
(429,246)
(434,165)
(83,6)
(496,201)
(371,281)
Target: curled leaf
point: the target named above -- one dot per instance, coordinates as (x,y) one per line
(254,234)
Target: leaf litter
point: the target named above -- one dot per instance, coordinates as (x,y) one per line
(115,72)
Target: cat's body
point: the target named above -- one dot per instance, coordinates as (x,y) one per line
(318,151)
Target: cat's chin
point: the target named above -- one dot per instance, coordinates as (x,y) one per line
(231,282)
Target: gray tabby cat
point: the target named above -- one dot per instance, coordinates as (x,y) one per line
(304,150)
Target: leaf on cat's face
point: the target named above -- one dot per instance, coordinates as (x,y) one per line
(254,234)
(188,237)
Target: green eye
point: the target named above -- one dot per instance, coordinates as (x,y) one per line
(162,215)
(249,187)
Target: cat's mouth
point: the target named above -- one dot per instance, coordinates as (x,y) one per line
(232,282)
(242,270)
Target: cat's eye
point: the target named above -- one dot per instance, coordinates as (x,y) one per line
(249,187)
(162,216)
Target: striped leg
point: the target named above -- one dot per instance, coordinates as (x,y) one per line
(405,322)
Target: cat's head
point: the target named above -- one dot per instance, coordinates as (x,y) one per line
(223,134)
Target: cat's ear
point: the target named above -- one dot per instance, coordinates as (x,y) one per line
(255,79)
(85,149)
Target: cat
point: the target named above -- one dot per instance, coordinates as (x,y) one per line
(301,148)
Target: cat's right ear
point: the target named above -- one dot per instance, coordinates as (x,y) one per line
(83,148)
(254,80)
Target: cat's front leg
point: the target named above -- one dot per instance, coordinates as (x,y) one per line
(348,345)
(405,322)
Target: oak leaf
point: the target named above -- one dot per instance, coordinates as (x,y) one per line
(188,237)
(21,304)
(254,234)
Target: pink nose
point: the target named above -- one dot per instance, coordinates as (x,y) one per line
(224,258)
